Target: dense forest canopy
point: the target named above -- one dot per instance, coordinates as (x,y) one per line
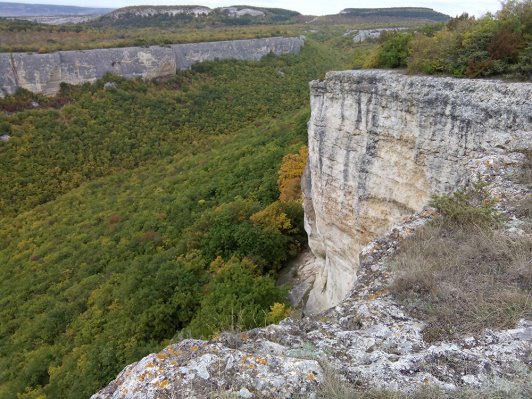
(133,213)
(137,212)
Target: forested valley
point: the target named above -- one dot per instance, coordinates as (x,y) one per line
(134,213)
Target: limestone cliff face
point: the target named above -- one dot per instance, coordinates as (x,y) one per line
(43,73)
(380,145)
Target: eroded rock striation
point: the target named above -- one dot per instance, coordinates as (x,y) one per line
(43,73)
(380,145)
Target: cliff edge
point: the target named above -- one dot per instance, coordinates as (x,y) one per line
(380,145)
(43,73)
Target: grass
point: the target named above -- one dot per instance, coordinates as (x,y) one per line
(462,273)
(461,280)
(520,387)
(524,174)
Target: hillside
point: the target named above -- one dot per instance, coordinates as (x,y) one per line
(198,16)
(163,25)
(152,203)
(398,12)
(400,16)
(32,10)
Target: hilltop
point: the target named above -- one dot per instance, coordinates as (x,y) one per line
(195,15)
(397,15)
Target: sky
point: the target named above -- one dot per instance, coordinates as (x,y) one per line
(308,7)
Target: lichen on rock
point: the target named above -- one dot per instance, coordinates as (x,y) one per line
(380,145)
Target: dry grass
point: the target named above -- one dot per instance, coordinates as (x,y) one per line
(524,174)
(519,387)
(461,280)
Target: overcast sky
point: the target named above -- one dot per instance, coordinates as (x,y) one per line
(309,7)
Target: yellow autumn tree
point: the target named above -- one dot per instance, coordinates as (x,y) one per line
(290,173)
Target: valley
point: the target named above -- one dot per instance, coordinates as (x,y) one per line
(162,164)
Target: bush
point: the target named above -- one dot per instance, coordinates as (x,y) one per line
(491,45)
(394,52)
(238,298)
(473,206)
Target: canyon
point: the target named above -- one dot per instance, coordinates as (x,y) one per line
(44,73)
(381,144)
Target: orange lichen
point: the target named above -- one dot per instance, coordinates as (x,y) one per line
(172,351)
(162,384)
(261,360)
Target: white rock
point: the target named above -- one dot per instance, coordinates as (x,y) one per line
(381,144)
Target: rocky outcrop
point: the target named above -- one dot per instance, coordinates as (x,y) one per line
(395,140)
(362,35)
(380,145)
(368,339)
(43,73)
(151,11)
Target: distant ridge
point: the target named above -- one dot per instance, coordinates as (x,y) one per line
(195,15)
(44,10)
(398,12)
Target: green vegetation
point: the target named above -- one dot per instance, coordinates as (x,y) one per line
(21,36)
(27,36)
(397,12)
(470,207)
(144,212)
(129,17)
(465,46)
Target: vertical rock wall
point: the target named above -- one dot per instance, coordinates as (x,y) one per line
(43,73)
(380,145)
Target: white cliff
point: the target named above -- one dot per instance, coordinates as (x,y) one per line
(150,11)
(43,73)
(380,145)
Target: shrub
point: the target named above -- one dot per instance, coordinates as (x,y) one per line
(278,311)
(238,298)
(394,51)
(472,206)
(290,173)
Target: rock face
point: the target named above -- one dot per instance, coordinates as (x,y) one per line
(43,73)
(369,34)
(380,145)
(365,126)
(150,11)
